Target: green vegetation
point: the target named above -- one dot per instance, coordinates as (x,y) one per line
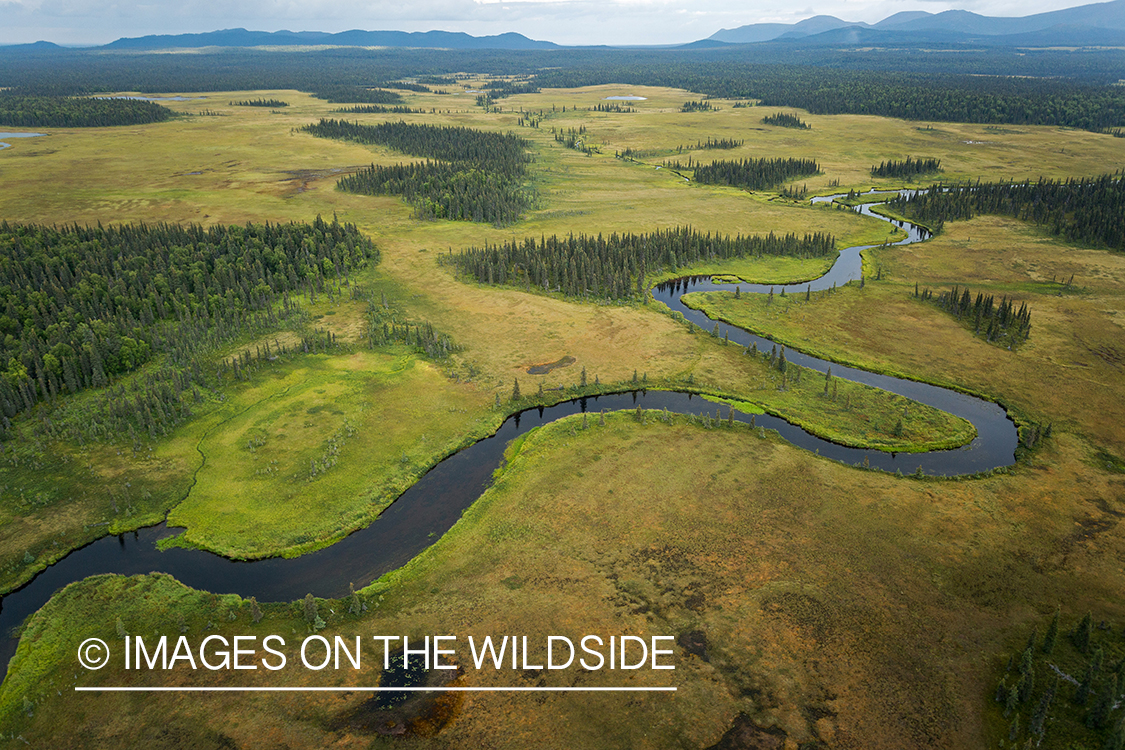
(807,597)
(753,174)
(379,109)
(1065,689)
(271,103)
(907,168)
(477,178)
(697,106)
(343,94)
(616,267)
(76,112)
(89,304)
(1086,210)
(786,120)
(1001,324)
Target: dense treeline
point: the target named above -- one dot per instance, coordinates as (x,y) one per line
(77,112)
(407,86)
(358,94)
(911,96)
(493,151)
(615,267)
(380,109)
(906,168)
(80,306)
(1000,324)
(442,190)
(786,120)
(476,176)
(986,86)
(273,103)
(1086,210)
(754,174)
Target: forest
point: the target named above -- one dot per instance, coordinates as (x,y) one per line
(909,167)
(753,174)
(476,176)
(615,267)
(77,112)
(1085,210)
(82,306)
(978,85)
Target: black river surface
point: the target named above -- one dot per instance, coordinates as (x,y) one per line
(430,508)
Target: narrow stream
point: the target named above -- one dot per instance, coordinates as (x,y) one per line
(430,508)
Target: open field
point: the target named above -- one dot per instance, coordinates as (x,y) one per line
(844,608)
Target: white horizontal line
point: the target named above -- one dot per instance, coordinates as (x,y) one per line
(373,689)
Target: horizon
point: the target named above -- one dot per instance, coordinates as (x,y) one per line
(619,23)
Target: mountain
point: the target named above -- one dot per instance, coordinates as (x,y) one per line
(353,38)
(1058,27)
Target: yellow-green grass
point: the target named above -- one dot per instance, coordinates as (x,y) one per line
(1068,372)
(303,456)
(839,605)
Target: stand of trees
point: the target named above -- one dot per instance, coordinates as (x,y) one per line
(77,112)
(785,120)
(1000,324)
(1086,210)
(694,106)
(476,176)
(907,168)
(615,267)
(754,174)
(80,306)
(357,94)
(272,103)
(379,109)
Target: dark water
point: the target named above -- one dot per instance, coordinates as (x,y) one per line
(428,509)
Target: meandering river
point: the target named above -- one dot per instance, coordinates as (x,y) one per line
(431,507)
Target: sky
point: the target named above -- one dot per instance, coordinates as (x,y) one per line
(617,22)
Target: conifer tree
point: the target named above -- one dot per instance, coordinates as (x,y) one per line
(516,389)
(255,611)
(1052,633)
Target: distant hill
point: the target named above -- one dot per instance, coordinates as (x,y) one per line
(1060,27)
(354,38)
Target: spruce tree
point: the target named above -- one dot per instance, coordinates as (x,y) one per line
(1082,632)
(255,611)
(516,389)
(1052,633)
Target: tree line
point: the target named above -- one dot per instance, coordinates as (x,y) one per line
(753,174)
(1086,210)
(380,109)
(786,120)
(1000,324)
(615,267)
(81,306)
(77,112)
(272,103)
(476,175)
(906,168)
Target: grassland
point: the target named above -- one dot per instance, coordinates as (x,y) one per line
(844,607)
